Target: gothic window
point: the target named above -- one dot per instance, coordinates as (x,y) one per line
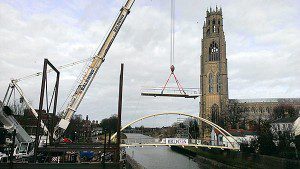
(253,110)
(211,83)
(214,28)
(215,113)
(268,110)
(219,22)
(208,32)
(214,52)
(214,21)
(218,83)
(261,110)
(208,22)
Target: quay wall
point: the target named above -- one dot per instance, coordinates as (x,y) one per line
(202,162)
(132,164)
(57,165)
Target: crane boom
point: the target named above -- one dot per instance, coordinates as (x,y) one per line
(10,123)
(91,72)
(16,86)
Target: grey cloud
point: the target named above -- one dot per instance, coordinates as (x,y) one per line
(261,48)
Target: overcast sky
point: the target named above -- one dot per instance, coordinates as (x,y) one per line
(262,38)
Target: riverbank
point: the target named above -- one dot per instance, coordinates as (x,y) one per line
(202,162)
(216,158)
(132,164)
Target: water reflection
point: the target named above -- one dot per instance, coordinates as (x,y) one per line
(158,157)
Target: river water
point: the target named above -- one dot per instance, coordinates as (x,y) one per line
(158,157)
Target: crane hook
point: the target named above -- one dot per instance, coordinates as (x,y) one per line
(172,69)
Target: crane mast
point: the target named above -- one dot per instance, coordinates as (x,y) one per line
(91,72)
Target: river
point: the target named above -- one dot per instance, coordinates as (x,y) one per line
(158,157)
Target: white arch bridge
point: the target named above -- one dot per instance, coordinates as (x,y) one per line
(232,143)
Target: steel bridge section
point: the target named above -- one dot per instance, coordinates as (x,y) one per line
(187,145)
(225,133)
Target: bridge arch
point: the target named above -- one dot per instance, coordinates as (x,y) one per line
(217,127)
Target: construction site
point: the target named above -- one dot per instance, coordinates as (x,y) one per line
(41,125)
(46,146)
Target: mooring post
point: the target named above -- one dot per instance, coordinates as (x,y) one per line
(119,114)
(12,147)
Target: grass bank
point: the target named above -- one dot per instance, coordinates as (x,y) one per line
(236,159)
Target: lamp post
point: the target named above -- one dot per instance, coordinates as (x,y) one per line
(75,136)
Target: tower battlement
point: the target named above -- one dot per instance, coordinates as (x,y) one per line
(216,11)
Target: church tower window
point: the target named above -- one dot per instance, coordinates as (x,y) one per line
(218,83)
(213,52)
(208,32)
(215,113)
(211,83)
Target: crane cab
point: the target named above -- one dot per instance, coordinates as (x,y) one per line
(24,150)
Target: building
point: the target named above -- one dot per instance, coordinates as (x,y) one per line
(255,110)
(214,80)
(239,136)
(214,103)
(283,125)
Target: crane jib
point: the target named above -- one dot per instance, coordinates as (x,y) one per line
(87,79)
(91,72)
(119,23)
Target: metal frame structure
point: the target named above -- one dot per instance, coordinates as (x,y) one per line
(44,86)
(170,92)
(225,133)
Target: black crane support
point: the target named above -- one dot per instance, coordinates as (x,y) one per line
(119,114)
(42,94)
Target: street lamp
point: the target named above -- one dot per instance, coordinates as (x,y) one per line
(75,136)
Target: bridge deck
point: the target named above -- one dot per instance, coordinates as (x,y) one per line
(171,92)
(187,145)
(169,95)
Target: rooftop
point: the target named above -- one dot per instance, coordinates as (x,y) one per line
(268,100)
(285,120)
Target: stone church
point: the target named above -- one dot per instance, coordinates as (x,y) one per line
(214,103)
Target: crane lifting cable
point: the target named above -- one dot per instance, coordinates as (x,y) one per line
(171,91)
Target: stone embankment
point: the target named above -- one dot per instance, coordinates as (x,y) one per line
(132,164)
(203,163)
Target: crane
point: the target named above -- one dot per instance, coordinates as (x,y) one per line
(23,140)
(25,144)
(91,72)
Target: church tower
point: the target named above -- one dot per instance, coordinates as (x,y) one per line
(213,80)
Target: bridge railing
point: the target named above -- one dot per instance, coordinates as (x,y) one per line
(170,91)
(179,142)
